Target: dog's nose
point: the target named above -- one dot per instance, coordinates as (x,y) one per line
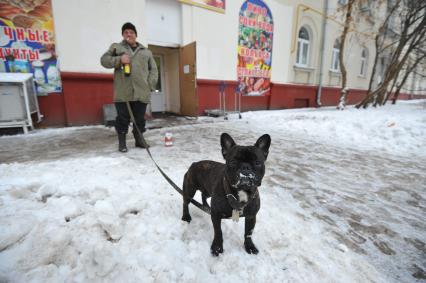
(245,168)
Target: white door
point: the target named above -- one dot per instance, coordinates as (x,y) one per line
(158,98)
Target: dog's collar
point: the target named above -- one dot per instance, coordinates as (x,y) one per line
(232,200)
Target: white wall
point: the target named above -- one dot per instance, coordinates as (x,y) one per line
(281,57)
(355,41)
(163,21)
(85,29)
(216,35)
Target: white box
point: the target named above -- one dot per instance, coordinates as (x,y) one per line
(18,100)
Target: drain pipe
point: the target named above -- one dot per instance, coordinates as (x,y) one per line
(324,25)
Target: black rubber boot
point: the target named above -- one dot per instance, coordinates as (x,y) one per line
(122,143)
(138,141)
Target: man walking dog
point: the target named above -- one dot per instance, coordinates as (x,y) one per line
(135,75)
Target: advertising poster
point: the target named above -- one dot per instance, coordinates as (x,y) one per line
(27,42)
(215,5)
(255,48)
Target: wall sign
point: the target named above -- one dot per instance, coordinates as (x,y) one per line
(215,5)
(255,48)
(186,69)
(27,42)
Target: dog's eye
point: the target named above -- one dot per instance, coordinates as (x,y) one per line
(258,163)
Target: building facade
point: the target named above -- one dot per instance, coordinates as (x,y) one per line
(196,50)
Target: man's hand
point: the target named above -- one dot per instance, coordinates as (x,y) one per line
(125,59)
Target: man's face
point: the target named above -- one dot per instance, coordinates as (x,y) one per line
(130,36)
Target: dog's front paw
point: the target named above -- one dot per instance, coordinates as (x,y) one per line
(187,218)
(216,248)
(250,247)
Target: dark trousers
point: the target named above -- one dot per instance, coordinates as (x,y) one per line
(123,117)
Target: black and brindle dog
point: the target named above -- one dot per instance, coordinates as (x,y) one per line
(233,187)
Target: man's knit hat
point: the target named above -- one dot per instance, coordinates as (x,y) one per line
(128,26)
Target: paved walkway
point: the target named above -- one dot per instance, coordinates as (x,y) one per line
(372,203)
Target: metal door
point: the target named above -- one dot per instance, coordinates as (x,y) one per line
(158,97)
(188,83)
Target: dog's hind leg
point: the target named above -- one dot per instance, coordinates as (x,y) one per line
(204,197)
(188,194)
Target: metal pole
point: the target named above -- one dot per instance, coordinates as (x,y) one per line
(220,97)
(235,101)
(224,103)
(324,27)
(27,109)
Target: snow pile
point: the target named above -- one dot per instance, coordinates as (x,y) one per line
(398,129)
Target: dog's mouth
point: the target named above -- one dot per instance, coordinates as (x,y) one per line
(247,180)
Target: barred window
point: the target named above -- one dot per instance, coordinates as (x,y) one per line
(335,61)
(303,46)
(364,58)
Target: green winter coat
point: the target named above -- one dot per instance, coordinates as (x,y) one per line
(143,77)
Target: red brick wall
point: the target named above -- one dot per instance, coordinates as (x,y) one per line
(83,96)
(80,102)
(284,96)
(208,97)
(52,108)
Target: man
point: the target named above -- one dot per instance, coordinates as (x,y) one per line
(133,87)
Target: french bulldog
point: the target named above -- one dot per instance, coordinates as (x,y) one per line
(232,187)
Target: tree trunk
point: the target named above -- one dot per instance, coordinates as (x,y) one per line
(389,93)
(409,70)
(344,89)
(395,98)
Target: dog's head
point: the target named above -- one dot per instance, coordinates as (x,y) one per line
(245,165)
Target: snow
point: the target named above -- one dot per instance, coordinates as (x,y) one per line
(343,200)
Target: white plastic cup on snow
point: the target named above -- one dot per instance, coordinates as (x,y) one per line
(168,139)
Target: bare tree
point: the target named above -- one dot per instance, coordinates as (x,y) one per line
(411,67)
(380,47)
(404,42)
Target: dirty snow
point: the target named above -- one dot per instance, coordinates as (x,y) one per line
(343,200)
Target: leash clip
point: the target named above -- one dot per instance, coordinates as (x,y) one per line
(231,196)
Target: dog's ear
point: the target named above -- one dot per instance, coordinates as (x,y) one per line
(264,142)
(227,143)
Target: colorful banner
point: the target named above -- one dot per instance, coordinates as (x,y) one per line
(255,36)
(215,5)
(27,42)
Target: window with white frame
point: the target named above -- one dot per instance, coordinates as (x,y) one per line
(303,45)
(363,69)
(335,61)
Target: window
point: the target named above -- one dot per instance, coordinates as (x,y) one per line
(303,45)
(335,62)
(363,70)
(364,8)
(367,7)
